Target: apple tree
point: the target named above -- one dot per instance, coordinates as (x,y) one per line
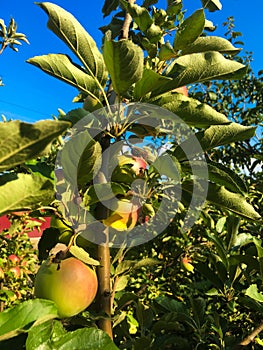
(131,163)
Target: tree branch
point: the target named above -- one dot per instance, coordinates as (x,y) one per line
(126,23)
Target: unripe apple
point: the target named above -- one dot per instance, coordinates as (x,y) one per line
(71,284)
(123,217)
(14,259)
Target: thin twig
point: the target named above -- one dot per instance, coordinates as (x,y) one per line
(250,338)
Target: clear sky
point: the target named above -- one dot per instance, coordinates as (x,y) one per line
(29,94)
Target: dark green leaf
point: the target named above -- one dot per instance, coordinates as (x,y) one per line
(189,30)
(68,29)
(109,6)
(124,61)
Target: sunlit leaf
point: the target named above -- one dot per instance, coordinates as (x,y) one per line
(124,61)
(212,5)
(235,202)
(139,14)
(68,29)
(24,192)
(21,141)
(253,293)
(25,315)
(211,43)
(199,67)
(61,67)
(214,136)
(191,111)
(189,30)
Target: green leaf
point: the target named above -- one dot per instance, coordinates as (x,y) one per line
(24,192)
(149,81)
(218,173)
(236,203)
(199,67)
(61,67)
(82,255)
(25,315)
(169,166)
(124,61)
(102,192)
(254,294)
(89,163)
(139,14)
(214,136)
(41,336)
(189,30)
(77,114)
(212,5)
(121,283)
(109,6)
(21,141)
(146,262)
(80,158)
(211,43)
(190,110)
(69,30)
(54,337)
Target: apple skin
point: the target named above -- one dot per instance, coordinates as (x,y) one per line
(14,259)
(124,217)
(182,90)
(71,284)
(128,169)
(16,271)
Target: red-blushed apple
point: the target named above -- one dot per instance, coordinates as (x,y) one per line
(182,90)
(128,169)
(15,271)
(123,217)
(14,259)
(71,284)
(186,263)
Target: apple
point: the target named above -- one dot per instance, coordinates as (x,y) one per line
(14,259)
(182,90)
(123,217)
(71,284)
(128,168)
(16,271)
(186,263)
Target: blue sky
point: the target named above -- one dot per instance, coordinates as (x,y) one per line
(30,95)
